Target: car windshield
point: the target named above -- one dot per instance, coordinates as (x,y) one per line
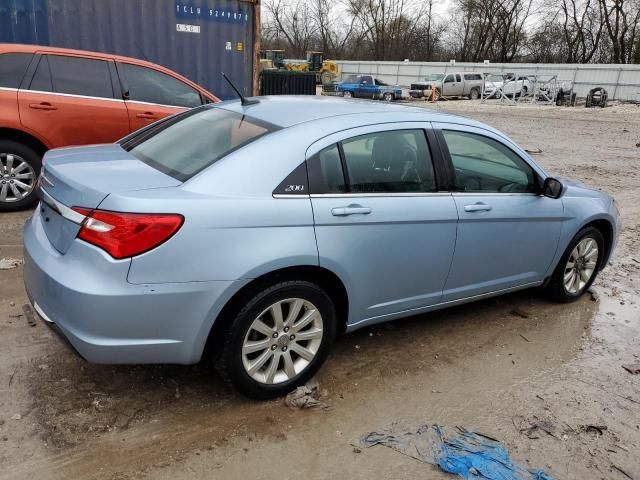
(435,77)
(187,144)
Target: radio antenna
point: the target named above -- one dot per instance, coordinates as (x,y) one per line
(243,101)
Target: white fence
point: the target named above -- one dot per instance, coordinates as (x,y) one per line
(621,81)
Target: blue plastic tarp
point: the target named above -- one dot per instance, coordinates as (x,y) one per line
(467,454)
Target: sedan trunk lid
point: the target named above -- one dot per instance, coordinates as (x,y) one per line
(84,177)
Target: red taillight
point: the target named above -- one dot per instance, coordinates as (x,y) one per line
(124,235)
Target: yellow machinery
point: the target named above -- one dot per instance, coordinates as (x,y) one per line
(326,70)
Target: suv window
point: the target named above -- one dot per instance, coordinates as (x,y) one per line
(458,77)
(472,76)
(81,76)
(189,143)
(41,80)
(351,79)
(392,161)
(449,79)
(12,68)
(147,85)
(483,164)
(366,80)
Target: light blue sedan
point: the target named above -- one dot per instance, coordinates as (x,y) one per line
(251,235)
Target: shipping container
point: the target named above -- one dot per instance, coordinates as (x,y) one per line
(199,39)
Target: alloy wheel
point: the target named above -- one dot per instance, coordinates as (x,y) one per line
(581,265)
(17,178)
(282,341)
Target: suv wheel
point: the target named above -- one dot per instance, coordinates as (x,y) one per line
(347,94)
(578,267)
(19,170)
(474,94)
(278,340)
(388,97)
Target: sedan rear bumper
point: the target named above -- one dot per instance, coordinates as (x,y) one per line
(85,294)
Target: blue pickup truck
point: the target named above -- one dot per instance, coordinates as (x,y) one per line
(367,86)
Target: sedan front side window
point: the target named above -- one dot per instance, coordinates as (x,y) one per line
(483,164)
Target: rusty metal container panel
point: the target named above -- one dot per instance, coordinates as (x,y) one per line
(196,38)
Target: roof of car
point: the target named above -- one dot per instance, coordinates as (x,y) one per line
(287,111)
(24,48)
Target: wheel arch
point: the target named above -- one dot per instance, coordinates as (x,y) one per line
(321,276)
(606,229)
(22,137)
(604,225)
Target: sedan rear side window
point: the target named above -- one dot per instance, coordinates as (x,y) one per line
(81,76)
(12,68)
(193,141)
(485,165)
(392,161)
(151,86)
(396,161)
(325,171)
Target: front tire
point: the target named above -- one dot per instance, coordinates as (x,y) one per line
(326,78)
(347,94)
(19,169)
(578,267)
(278,340)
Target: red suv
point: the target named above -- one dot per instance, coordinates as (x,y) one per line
(54,97)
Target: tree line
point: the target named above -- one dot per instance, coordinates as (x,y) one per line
(535,31)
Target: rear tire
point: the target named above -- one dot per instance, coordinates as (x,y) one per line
(570,264)
(253,336)
(474,94)
(18,163)
(388,97)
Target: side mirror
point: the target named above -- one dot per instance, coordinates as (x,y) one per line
(552,188)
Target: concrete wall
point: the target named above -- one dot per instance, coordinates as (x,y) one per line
(621,81)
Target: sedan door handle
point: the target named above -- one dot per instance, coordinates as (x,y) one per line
(147,116)
(478,207)
(350,210)
(42,106)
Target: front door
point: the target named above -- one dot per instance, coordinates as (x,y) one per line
(452,85)
(72,101)
(381,223)
(508,233)
(152,95)
(366,88)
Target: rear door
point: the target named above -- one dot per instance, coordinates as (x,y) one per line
(13,67)
(72,100)
(152,95)
(382,223)
(508,233)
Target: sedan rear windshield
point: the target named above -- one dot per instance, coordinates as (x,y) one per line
(186,144)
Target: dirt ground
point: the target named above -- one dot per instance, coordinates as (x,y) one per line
(500,366)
